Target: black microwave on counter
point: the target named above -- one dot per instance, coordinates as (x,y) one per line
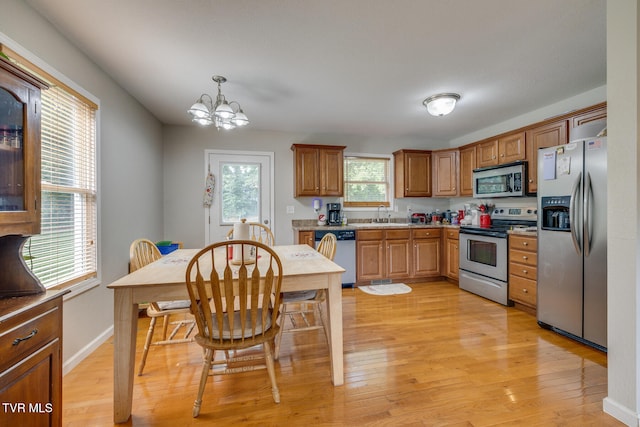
(508,180)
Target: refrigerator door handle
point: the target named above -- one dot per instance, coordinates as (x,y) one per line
(588,225)
(573,212)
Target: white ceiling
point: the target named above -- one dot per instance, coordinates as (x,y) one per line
(360,67)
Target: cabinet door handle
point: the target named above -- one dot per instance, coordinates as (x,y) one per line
(525,243)
(525,257)
(28,337)
(525,291)
(525,272)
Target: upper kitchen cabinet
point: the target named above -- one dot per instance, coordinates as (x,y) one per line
(467,165)
(596,112)
(445,173)
(545,135)
(412,169)
(505,149)
(19,151)
(318,170)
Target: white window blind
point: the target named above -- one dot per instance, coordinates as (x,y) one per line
(366,181)
(65,251)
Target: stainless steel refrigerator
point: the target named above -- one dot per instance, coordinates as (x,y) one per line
(572,240)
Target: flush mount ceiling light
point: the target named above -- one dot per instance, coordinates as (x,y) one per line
(441,104)
(223,114)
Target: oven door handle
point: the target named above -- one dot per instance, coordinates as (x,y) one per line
(574,214)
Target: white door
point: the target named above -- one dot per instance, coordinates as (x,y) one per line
(243,189)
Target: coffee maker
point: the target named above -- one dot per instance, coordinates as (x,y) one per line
(333,214)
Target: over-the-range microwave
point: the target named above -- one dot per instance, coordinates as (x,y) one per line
(508,180)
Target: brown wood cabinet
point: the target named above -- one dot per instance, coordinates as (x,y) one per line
(467,165)
(382,254)
(412,170)
(318,170)
(523,261)
(445,173)
(19,151)
(19,176)
(451,253)
(546,135)
(426,252)
(370,255)
(597,112)
(505,149)
(31,359)
(306,238)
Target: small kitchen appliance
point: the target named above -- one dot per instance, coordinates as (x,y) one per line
(508,180)
(334,214)
(419,218)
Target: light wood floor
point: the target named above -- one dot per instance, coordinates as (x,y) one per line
(437,356)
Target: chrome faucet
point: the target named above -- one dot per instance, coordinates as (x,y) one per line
(380,219)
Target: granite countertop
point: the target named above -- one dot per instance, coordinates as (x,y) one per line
(312,225)
(524,232)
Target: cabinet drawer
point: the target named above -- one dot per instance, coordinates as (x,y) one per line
(426,233)
(522,290)
(398,234)
(523,242)
(17,340)
(523,257)
(369,234)
(522,270)
(452,234)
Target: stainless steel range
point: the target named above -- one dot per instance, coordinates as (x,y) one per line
(484,252)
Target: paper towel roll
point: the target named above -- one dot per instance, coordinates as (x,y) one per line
(240,232)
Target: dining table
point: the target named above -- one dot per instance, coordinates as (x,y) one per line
(303,268)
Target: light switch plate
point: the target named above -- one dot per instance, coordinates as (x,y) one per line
(290,209)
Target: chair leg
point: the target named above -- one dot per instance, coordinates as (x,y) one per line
(147,344)
(203,381)
(271,369)
(278,340)
(165,326)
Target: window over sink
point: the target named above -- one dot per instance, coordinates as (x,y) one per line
(367,180)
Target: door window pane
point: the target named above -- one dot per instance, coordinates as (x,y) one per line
(240,192)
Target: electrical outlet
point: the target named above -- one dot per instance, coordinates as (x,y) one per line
(291,209)
(408,208)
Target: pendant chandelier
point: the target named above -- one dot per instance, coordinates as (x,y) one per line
(223,114)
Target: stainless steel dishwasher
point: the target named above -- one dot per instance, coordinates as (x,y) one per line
(345,253)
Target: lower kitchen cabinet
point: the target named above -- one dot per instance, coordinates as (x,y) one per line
(306,238)
(382,254)
(370,255)
(398,257)
(31,359)
(451,253)
(426,252)
(523,261)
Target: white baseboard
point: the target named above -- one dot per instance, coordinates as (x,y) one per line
(74,360)
(620,412)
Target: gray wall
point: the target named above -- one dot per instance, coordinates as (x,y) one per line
(130,170)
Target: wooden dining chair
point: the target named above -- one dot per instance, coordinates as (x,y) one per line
(297,306)
(236,304)
(141,253)
(259,233)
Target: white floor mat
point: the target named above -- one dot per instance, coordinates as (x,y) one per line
(389,289)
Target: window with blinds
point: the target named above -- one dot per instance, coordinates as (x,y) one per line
(366,181)
(65,251)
